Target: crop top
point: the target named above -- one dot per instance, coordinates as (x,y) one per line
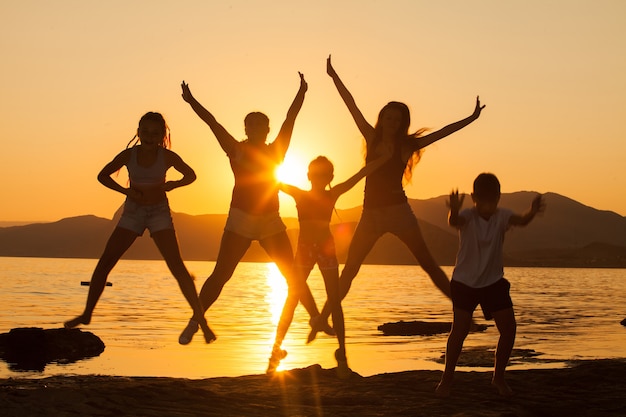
(315,208)
(383,187)
(146,176)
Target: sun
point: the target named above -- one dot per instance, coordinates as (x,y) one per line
(292,171)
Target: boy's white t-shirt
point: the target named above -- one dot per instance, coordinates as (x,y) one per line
(479,261)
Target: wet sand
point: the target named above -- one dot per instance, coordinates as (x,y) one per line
(586,388)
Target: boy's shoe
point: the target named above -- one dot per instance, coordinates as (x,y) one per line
(187,334)
(277,356)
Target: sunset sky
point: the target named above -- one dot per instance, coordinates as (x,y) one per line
(77,75)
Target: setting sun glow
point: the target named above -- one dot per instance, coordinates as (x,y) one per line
(293,171)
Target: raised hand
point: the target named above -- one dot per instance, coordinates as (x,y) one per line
(187,96)
(478,107)
(329,68)
(538,205)
(303,84)
(456,201)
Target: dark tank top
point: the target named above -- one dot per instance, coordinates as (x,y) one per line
(255,191)
(383,187)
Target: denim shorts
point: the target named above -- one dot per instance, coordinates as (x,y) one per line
(254,227)
(139,217)
(323,254)
(492,298)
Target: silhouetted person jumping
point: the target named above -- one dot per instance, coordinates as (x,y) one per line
(253,213)
(385,205)
(146,207)
(316,245)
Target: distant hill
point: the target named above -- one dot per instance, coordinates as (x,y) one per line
(568,234)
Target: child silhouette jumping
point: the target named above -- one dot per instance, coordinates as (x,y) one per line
(478,276)
(146,207)
(316,245)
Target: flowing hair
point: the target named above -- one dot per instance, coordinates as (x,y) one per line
(403,136)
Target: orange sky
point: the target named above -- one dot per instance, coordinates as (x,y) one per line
(77,75)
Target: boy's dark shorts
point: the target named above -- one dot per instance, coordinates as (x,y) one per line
(492,298)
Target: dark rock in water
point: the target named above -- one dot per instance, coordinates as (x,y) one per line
(422,328)
(32,348)
(482,356)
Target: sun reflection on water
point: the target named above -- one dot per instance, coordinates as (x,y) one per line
(140,317)
(277,292)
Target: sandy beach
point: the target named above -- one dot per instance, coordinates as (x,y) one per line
(586,388)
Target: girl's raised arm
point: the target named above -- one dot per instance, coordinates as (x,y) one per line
(424,141)
(283,139)
(364,127)
(225,139)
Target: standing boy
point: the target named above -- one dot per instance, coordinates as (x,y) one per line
(478,276)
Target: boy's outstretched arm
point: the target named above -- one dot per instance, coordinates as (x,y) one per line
(538,205)
(225,139)
(426,140)
(454,204)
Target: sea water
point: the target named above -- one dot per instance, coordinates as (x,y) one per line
(562,313)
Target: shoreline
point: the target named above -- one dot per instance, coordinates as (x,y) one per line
(586,388)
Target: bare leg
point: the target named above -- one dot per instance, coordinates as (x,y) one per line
(167,243)
(232,249)
(286,317)
(505,321)
(460,328)
(278,247)
(118,243)
(360,245)
(415,242)
(331,282)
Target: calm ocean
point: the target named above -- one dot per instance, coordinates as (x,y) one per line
(562,314)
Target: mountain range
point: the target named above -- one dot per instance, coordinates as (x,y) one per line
(567,234)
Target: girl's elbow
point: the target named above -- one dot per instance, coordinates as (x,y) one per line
(102,178)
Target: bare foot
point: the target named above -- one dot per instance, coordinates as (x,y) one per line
(188,332)
(209,336)
(319,325)
(278,354)
(82,319)
(502,387)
